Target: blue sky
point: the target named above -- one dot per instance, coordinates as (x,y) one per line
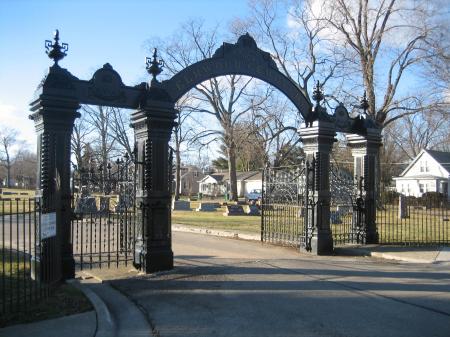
(97,32)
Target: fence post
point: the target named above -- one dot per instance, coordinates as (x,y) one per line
(365,150)
(318,138)
(153,125)
(54,109)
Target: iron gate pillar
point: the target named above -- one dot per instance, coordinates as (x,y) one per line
(318,138)
(54,109)
(153,124)
(365,150)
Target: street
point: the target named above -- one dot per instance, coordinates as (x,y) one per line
(226,287)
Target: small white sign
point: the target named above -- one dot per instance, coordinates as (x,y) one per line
(48,225)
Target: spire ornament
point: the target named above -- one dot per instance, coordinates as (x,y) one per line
(55,50)
(154,66)
(364,104)
(317,95)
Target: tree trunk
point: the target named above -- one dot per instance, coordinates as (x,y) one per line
(231,149)
(177,173)
(8,170)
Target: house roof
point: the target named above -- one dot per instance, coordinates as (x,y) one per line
(442,158)
(222,177)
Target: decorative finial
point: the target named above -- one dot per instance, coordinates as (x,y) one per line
(55,50)
(317,93)
(364,104)
(154,66)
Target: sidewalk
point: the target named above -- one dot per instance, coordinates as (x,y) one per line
(399,253)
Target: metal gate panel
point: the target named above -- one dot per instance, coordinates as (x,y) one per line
(103,226)
(283,205)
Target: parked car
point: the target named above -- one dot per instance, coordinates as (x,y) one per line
(253,196)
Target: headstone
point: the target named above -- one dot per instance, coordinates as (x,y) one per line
(104,204)
(181,205)
(206,207)
(344,209)
(252,210)
(402,207)
(335,217)
(234,210)
(86,205)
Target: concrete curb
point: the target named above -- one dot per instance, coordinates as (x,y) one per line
(105,323)
(216,232)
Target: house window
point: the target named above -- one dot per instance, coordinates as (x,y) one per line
(424,166)
(195,174)
(421,188)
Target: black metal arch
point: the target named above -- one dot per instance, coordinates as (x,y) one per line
(242,58)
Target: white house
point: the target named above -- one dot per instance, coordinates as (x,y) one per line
(428,172)
(218,183)
(213,184)
(190,176)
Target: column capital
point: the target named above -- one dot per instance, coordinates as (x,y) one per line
(320,134)
(362,145)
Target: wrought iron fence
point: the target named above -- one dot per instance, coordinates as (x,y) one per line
(408,220)
(28,259)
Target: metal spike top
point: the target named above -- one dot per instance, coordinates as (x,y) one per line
(154,66)
(364,104)
(55,50)
(317,93)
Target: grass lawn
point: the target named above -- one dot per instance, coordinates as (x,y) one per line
(16,283)
(216,220)
(64,300)
(423,226)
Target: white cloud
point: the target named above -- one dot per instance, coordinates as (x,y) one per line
(16,118)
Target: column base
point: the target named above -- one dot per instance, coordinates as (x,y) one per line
(322,243)
(68,267)
(158,260)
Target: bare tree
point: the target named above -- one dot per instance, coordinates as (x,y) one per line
(183,133)
(387,39)
(81,131)
(225,99)
(100,119)
(120,130)
(8,139)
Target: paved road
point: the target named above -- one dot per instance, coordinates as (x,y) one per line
(225,287)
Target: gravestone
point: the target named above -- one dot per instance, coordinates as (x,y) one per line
(402,207)
(252,210)
(344,209)
(86,205)
(206,207)
(234,210)
(181,205)
(335,217)
(104,204)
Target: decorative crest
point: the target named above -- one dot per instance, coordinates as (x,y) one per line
(55,50)
(364,104)
(317,93)
(154,66)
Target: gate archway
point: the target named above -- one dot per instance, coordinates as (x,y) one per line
(55,107)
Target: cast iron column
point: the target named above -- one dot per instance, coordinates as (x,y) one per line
(153,124)
(365,151)
(318,138)
(54,111)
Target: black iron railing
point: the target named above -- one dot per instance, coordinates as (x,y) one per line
(27,257)
(409,220)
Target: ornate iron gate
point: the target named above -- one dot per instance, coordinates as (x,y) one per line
(346,205)
(283,206)
(103,226)
(288,204)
